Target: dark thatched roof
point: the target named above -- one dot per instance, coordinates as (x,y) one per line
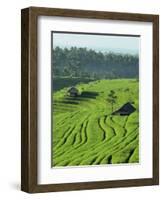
(126,109)
(73,90)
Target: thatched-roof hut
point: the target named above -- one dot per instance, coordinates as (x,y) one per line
(73,92)
(126,109)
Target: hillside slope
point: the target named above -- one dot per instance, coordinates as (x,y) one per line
(85,132)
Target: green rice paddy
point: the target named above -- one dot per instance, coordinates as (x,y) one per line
(85,132)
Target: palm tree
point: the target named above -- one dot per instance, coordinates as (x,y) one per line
(112,98)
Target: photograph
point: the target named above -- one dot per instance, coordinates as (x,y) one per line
(95,99)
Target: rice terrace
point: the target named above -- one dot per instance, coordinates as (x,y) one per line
(95,105)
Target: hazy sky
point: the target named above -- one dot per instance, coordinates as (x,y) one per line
(118,44)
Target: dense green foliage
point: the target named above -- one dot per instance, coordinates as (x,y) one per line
(88,63)
(61,82)
(85,132)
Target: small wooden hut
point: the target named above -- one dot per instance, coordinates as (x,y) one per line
(126,109)
(73,92)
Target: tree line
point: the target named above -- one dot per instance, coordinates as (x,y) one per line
(88,63)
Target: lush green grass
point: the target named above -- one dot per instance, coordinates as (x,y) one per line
(85,132)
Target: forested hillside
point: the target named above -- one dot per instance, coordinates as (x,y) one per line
(87,63)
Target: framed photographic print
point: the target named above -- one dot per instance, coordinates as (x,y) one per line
(90,99)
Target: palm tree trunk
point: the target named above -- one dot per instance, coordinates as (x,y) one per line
(112,107)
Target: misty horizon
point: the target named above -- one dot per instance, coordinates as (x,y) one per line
(104,43)
(103,50)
